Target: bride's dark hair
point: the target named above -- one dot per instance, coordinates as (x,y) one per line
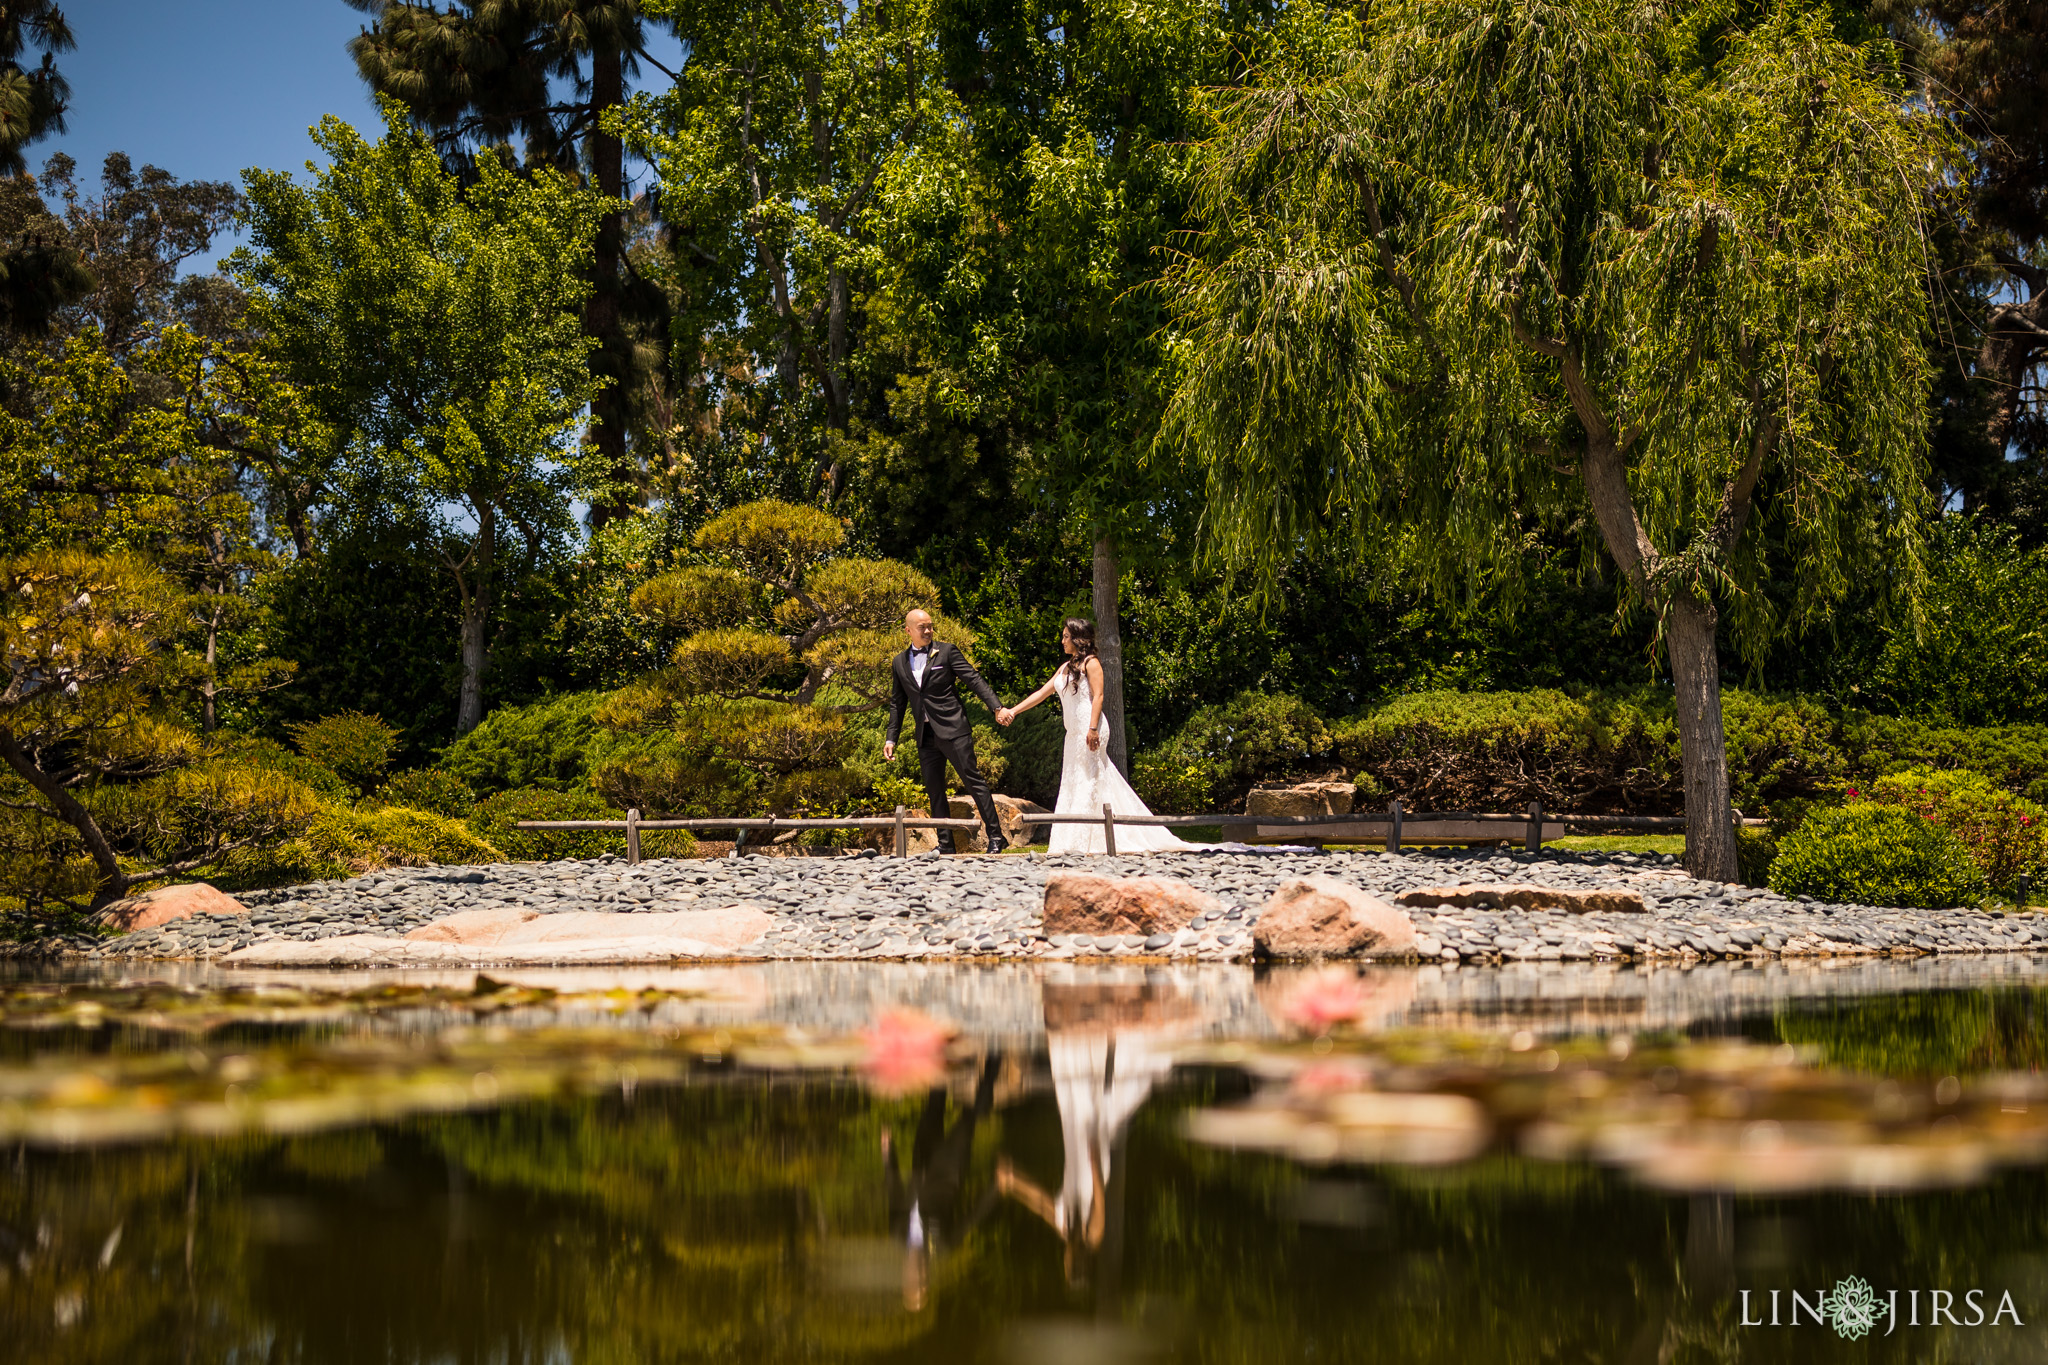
(1082,631)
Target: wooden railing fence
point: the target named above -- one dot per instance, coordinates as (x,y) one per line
(1414,827)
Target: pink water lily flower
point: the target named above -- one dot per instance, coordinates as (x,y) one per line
(906,1051)
(1328,998)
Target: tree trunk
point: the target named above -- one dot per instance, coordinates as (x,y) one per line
(1689,629)
(2013,340)
(1109,647)
(476,617)
(209,691)
(601,316)
(113,883)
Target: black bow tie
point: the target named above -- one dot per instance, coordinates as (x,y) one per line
(920,649)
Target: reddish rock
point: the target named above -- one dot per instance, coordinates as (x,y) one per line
(1522,896)
(167,903)
(1312,917)
(1080,903)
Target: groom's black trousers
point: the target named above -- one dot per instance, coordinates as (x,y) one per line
(933,754)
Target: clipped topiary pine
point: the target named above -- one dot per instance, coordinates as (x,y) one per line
(786,640)
(1870,854)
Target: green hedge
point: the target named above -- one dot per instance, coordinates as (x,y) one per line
(1223,751)
(2005,835)
(552,744)
(1596,753)
(1870,854)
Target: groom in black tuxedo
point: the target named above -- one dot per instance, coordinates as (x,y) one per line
(925,678)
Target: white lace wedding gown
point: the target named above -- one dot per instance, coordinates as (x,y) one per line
(1089,781)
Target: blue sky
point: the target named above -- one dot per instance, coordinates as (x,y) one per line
(207,88)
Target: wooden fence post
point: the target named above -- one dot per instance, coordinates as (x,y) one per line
(1109,829)
(1394,825)
(902,836)
(633,836)
(1534,843)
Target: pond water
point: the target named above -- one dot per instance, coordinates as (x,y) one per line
(844,1162)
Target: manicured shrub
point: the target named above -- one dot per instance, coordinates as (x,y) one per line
(1172,788)
(2013,756)
(1593,753)
(268,753)
(1872,854)
(1223,751)
(554,743)
(356,746)
(431,789)
(395,836)
(2006,835)
(495,816)
(1501,750)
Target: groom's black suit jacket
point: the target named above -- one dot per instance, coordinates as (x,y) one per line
(936,706)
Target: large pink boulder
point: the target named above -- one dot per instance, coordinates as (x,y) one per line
(167,903)
(1311,917)
(1082,903)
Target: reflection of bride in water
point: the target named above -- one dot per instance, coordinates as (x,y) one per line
(1108,1047)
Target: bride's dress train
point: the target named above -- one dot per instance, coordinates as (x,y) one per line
(1089,781)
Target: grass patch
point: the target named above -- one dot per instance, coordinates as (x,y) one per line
(1620,843)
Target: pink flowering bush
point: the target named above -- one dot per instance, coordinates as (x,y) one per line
(2005,835)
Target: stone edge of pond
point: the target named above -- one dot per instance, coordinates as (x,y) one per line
(981,910)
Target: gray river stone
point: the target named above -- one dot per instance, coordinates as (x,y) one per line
(976,907)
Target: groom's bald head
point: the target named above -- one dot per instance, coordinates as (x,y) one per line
(917,627)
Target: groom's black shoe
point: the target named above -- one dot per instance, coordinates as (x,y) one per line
(997,843)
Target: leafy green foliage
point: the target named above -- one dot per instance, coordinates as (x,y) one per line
(359,841)
(496,815)
(1224,750)
(1980,653)
(1871,854)
(354,746)
(1595,258)
(2014,756)
(436,327)
(2006,835)
(1591,753)
(790,640)
(550,743)
(427,789)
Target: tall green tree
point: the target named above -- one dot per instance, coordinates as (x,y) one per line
(773,148)
(436,328)
(1020,239)
(33,96)
(1627,270)
(1992,59)
(482,73)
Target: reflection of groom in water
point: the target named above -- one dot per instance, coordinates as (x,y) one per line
(924,678)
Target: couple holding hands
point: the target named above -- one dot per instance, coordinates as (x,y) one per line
(925,680)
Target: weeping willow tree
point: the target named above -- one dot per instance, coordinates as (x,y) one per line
(1644,276)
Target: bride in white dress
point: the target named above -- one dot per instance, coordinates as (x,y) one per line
(1088,780)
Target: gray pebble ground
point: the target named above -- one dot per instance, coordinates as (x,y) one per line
(979,907)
